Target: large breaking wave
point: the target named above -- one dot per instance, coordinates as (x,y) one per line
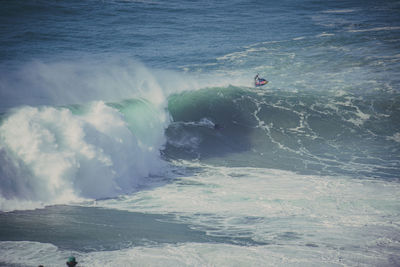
(52,151)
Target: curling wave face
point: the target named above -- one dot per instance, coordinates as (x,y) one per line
(306,132)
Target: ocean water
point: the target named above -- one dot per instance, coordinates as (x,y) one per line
(131,133)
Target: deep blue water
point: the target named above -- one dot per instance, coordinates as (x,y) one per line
(177,33)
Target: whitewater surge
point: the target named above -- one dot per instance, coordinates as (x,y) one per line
(58,155)
(222,216)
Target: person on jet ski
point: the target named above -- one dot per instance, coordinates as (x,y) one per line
(257,78)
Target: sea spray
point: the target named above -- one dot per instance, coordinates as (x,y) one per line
(78,81)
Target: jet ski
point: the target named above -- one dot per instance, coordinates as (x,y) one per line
(260,82)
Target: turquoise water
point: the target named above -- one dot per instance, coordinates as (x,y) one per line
(131,133)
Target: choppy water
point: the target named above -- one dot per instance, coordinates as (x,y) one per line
(131,133)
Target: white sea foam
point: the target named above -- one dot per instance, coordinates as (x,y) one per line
(340,11)
(324,34)
(193,254)
(395,137)
(305,221)
(50,155)
(234,193)
(204,122)
(377,29)
(299,38)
